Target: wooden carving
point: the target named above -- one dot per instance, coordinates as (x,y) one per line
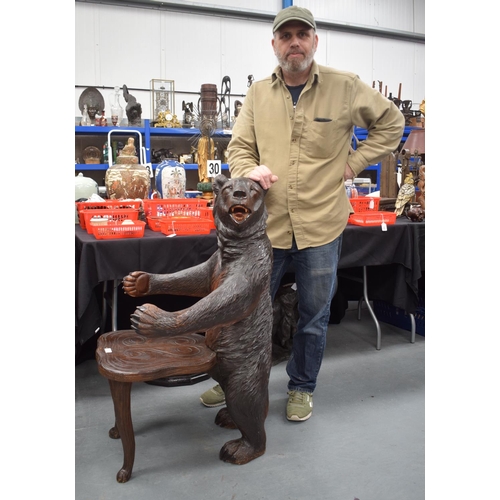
(234,310)
(388,180)
(421,186)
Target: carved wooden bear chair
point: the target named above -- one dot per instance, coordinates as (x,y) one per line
(234,311)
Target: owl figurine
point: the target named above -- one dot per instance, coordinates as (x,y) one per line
(406,194)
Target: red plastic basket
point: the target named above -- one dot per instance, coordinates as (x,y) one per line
(118,215)
(365,203)
(117,230)
(173,207)
(184,225)
(103,205)
(154,223)
(372,218)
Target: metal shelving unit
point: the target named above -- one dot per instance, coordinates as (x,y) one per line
(148,133)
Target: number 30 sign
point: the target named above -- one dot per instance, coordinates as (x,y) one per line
(214,168)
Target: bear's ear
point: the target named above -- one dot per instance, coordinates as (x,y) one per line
(219,181)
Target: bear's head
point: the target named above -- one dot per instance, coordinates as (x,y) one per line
(239,209)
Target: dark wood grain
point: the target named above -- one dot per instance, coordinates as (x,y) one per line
(124,357)
(136,358)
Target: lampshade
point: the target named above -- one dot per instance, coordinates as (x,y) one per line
(416,140)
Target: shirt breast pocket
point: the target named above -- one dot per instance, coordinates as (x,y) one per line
(322,138)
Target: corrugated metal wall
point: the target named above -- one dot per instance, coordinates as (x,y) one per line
(126,44)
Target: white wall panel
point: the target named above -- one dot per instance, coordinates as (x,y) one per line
(419,16)
(85,43)
(391,14)
(247,50)
(258,5)
(130,46)
(117,45)
(393,64)
(419,74)
(349,52)
(193,59)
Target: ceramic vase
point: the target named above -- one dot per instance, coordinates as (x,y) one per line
(85,187)
(170,178)
(127,181)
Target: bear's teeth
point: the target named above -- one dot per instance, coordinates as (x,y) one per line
(239,213)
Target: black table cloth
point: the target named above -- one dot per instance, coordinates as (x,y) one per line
(394,258)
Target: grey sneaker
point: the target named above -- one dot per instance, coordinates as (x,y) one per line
(299,406)
(213,397)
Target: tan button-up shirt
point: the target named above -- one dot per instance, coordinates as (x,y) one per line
(308,146)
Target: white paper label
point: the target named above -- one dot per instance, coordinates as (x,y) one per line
(214,168)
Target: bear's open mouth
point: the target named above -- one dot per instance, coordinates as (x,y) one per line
(239,213)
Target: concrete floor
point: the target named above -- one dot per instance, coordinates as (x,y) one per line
(364,441)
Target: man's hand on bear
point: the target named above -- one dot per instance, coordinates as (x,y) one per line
(136,284)
(150,320)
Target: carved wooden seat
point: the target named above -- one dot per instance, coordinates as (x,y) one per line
(124,357)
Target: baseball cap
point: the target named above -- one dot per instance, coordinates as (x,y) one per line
(293,13)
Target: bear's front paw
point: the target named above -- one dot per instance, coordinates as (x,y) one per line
(147,320)
(136,284)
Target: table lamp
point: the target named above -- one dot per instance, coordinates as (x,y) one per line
(416,142)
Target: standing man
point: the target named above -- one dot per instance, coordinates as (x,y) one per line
(293,136)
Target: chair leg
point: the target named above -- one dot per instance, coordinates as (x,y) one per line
(120,392)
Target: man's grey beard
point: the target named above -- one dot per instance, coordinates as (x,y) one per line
(295,66)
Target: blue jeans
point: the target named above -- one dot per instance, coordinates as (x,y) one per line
(316,278)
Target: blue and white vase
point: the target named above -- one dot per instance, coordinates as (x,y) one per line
(170,178)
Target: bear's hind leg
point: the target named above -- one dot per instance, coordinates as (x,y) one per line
(223,419)
(240,452)
(248,415)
